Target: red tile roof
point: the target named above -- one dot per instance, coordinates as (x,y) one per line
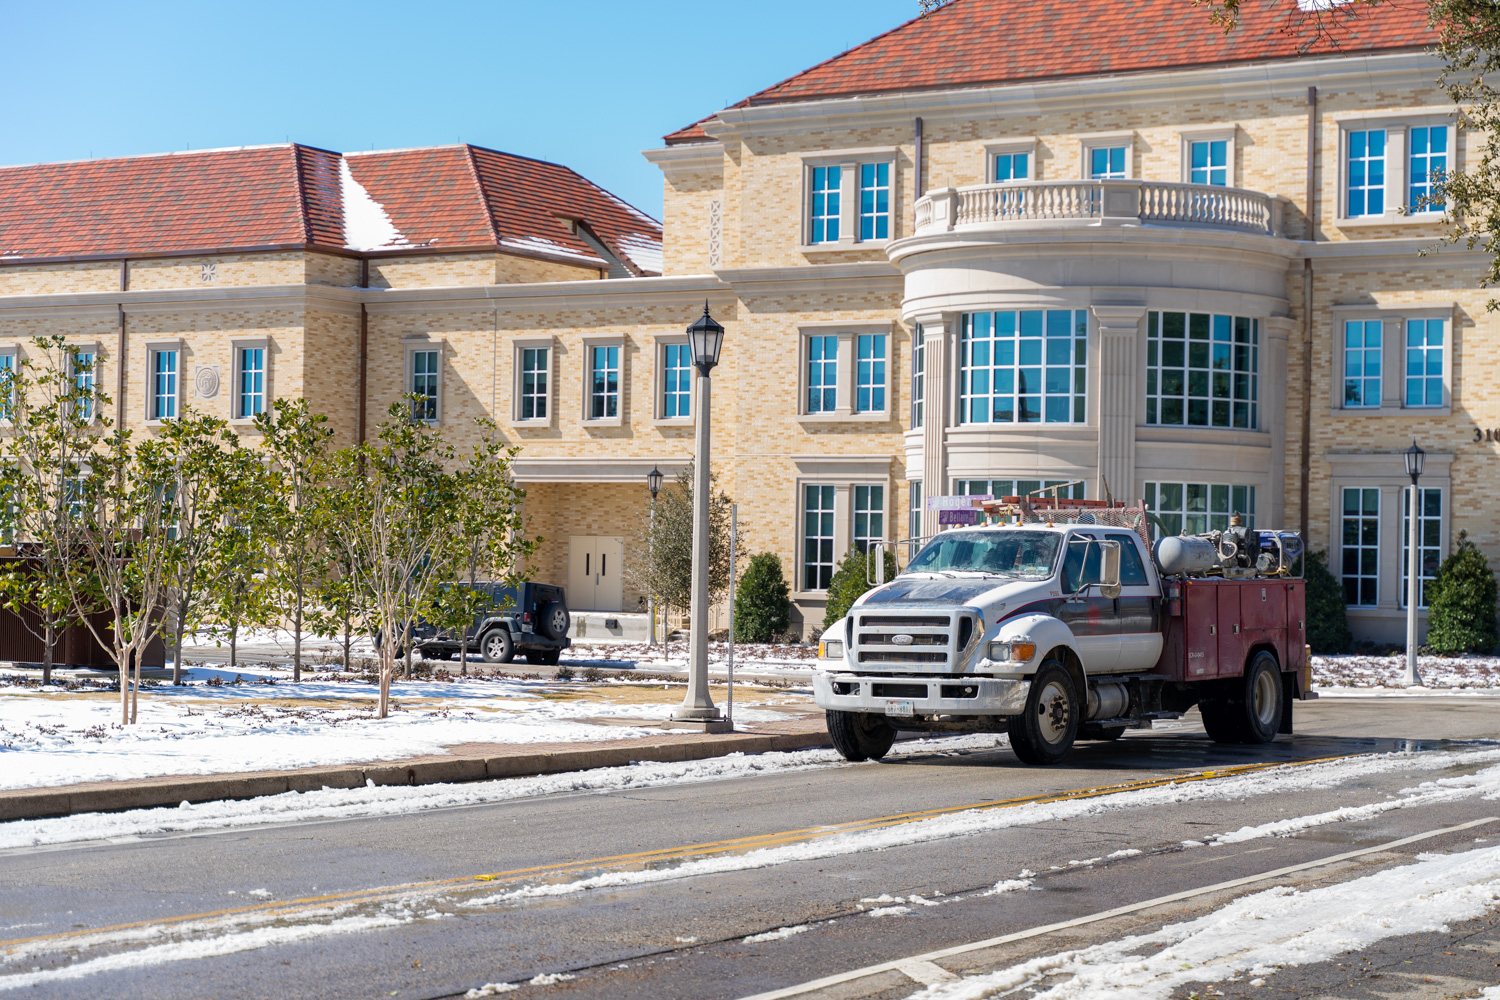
(970,43)
(438,198)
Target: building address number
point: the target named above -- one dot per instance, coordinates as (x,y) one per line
(1488,434)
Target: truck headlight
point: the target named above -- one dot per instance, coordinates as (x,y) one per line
(832,649)
(1018,651)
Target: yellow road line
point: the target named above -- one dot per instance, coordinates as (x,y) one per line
(708,848)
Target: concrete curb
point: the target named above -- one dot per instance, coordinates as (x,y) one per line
(113,796)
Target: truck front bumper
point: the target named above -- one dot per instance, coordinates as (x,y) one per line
(964,694)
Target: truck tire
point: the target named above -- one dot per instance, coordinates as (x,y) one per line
(860,736)
(1044,734)
(497,646)
(555,620)
(1248,709)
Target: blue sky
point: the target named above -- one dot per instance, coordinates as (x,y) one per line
(585,83)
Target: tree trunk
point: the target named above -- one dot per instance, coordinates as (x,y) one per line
(297,639)
(122,667)
(49,640)
(407,672)
(348,639)
(234,640)
(135,688)
(387,668)
(182,607)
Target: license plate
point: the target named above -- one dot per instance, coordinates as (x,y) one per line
(902,709)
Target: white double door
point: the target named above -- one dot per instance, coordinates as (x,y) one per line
(594,565)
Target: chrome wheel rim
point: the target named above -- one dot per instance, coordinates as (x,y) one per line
(1053,712)
(1265,697)
(495,646)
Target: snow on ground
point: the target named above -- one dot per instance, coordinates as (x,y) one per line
(1336,674)
(54,737)
(1257,934)
(387,800)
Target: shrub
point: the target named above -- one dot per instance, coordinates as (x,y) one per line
(850,580)
(762,607)
(1327,625)
(1461,602)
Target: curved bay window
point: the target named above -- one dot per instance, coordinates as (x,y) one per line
(1024,366)
(1202,370)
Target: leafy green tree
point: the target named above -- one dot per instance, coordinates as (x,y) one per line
(663,564)
(1327,624)
(851,579)
(1461,616)
(762,607)
(243,518)
(53,405)
(295,442)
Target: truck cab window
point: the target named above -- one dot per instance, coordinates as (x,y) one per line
(1081,564)
(1132,570)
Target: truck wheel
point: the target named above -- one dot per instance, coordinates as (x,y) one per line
(497,646)
(1045,733)
(1261,699)
(555,620)
(860,736)
(1221,720)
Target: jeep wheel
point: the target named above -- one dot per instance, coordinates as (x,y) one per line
(544,657)
(555,620)
(1044,734)
(497,646)
(860,735)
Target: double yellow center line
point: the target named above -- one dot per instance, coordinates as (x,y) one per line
(644,859)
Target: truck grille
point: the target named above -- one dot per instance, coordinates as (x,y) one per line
(929,640)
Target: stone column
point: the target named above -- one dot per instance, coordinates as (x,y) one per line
(1272,406)
(939,375)
(1121,388)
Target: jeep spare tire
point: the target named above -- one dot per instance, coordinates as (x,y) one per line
(555,620)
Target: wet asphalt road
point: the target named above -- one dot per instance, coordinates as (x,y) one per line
(684,936)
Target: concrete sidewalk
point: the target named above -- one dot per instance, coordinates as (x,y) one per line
(464,762)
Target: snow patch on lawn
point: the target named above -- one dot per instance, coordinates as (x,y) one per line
(1336,673)
(1258,934)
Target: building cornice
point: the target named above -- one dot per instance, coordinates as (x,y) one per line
(866,276)
(594,469)
(694,157)
(1391,254)
(1288,78)
(167,301)
(537,296)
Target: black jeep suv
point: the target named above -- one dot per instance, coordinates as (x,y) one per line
(532,619)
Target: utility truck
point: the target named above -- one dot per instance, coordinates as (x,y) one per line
(1064,623)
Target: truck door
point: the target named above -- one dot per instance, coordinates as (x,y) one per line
(1137,608)
(1094,620)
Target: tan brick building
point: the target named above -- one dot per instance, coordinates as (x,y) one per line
(1008,245)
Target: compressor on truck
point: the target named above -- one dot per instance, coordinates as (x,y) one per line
(1066,622)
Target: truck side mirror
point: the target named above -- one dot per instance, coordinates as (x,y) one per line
(1109,569)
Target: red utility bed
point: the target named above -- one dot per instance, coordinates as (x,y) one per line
(1212,626)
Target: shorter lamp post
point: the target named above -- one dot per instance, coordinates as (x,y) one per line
(705,338)
(1415,459)
(653,483)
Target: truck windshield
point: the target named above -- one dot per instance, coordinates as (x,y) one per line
(1026,555)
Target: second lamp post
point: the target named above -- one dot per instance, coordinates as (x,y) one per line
(705,337)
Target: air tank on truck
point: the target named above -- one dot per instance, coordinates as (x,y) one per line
(1067,620)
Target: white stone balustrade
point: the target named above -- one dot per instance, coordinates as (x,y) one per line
(1101,202)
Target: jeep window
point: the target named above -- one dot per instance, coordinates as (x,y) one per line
(1025,555)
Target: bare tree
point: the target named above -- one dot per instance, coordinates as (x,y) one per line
(663,564)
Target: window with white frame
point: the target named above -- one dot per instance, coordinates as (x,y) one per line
(533,390)
(869,516)
(822,373)
(1193,508)
(84,378)
(249,382)
(1359,534)
(823,222)
(914,513)
(1063,489)
(1006,168)
(817,536)
(1024,366)
(1208,161)
(1364,173)
(869,377)
(163,402)
(1426,164)
(1363,347)
(1429,541)
(1424,362)
(1202,370)
(424,384)
(1107,162)
(604,381)
(918,376)
(676,381)
(874,201)
(9,369)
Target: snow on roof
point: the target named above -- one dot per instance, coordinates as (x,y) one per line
(366,224)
